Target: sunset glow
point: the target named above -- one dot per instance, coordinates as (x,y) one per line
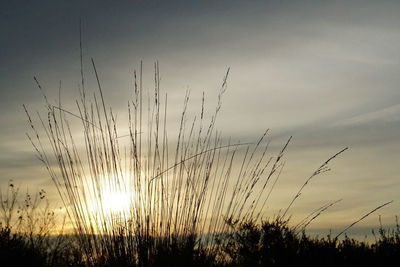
(111,197)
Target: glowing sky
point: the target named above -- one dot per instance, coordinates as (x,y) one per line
(326,72)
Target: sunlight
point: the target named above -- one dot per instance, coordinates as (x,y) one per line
(116,201)
(111,196)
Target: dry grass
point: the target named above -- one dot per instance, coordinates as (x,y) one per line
(178,195)
(180,198)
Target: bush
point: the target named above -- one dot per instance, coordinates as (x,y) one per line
(274,243)
(16,251)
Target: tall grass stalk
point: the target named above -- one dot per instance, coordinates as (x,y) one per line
(177,193)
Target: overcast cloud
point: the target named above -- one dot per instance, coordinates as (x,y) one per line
(326,72)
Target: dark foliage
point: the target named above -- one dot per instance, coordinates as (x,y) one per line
(274,243)
(15,251)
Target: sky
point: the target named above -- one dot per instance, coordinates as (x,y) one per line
(325,72)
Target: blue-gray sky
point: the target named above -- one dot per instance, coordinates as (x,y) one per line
(326,72)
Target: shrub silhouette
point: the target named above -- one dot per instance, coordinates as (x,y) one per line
(27,236)
(274,243)
(16,251)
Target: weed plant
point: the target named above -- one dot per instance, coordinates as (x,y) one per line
(30,233)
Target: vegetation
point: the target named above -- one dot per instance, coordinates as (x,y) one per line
(271,243)
(193,200)
(275,243)
(30,234)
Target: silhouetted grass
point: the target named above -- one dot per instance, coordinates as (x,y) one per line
(181,191)
(185,204)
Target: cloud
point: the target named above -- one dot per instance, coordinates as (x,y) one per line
(385,115)
(326,73)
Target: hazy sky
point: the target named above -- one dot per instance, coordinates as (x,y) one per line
(326,72)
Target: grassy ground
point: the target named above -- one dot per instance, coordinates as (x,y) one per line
(271,243)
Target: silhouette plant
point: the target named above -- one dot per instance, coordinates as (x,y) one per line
(30,234)
(180,201)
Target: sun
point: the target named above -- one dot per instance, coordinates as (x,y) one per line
(116,201)
(111,196)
